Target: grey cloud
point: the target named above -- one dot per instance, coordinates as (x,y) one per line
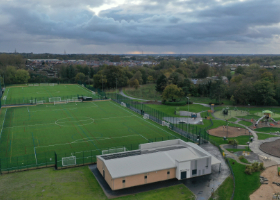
(150,25)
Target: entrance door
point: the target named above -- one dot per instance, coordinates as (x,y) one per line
(183,175)
(104,173)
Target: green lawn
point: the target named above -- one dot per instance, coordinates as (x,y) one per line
(267,129)
(237,150)
(244,160)
(170,110)
(32,134)
(242,140)
(245,184)
(232,119)
(73,183)
(263,136)
(246,123)
(23,95)
(225,190)
(147,91)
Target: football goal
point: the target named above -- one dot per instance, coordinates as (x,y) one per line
(36,84)
(60,102)
(44,84)
(93,92)
(40,102)
(68,161)
(146,116)
(114,150)
(51,84)
(30,84)
(52,99)
(32,101)
(123,104)
(164,123)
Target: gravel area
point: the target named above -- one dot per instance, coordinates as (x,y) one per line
(271,148)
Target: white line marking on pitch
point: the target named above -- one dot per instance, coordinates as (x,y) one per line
(141,118)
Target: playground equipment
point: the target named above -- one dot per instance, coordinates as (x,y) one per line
(278,170)
(193,115)
(212,107)
(225,111)
(267,116)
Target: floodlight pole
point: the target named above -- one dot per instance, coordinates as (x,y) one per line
(102,82)
(188,117)
(116,86)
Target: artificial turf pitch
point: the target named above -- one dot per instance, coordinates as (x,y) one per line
(23,94)
(32,134)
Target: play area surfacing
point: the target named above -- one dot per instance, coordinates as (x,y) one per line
(271,148)
(224,131)
(39,131)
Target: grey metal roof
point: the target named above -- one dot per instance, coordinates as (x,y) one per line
(145,163)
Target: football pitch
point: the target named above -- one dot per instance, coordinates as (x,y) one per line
(30,135)
(23,94)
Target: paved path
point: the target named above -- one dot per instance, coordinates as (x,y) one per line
(235,157)
(123,94)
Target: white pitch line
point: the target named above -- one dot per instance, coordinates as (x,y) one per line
(129,111)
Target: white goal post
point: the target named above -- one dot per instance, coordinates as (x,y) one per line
(164,123)
(60,102)
(52,99)
(40,102)
(44,84)
(74,100)
(146,116)
(68,161)
(123,104)
(32,101)
(51,84)
(114,150)
(36,84)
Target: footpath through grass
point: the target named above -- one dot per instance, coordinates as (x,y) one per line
(263,136)
(74,183)
(147,92)
(245,184)
(225,190)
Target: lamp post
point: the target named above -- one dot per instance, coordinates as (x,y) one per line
(248,144)
(188,117)
(116,86)
(102,82)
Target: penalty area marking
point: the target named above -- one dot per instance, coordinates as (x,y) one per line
(142,119)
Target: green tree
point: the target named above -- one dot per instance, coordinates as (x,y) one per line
(134,83)
(138,76)
(80,77)
(203,71)
(10,74)
(22,76)
(161,83)
(172,93)
(264,93)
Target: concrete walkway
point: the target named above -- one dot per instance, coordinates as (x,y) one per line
(231,155)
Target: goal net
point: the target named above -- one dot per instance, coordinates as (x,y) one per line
(164,123)
(114,150)
(44,84)
(30,84)
(51,84)
(60,102)
(93,92)
(123,104)
(68,161)
(74,100)
(40,102)
(52,99)
(36,84)
(146,116)
(32,101)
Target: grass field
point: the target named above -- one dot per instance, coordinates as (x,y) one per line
(72,128)
(267,129)
(245,184)
(263,136)
(20,95)
(225,190)
(246,123)
(73,183)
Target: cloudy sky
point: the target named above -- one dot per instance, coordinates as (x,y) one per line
(133,26)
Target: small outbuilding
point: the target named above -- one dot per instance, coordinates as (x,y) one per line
(153,162)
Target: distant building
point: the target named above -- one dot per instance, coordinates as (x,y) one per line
(155,162)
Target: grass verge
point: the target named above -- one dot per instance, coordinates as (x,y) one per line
(263,136)
(237,150)
(244,184)
(74,183)
(225,190)
(245,123)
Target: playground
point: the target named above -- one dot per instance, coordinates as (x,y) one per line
(266,191)
(223,131)
(271,148)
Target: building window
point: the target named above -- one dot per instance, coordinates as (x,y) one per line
(194,172)
(168,172)
(123,181)
(145,177)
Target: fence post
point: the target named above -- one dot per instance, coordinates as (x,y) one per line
(55,160)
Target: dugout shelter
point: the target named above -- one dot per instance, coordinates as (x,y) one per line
(153,162)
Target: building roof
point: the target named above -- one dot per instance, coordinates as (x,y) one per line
(153,159)
(267,111)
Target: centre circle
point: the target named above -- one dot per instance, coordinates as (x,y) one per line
(74,121)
